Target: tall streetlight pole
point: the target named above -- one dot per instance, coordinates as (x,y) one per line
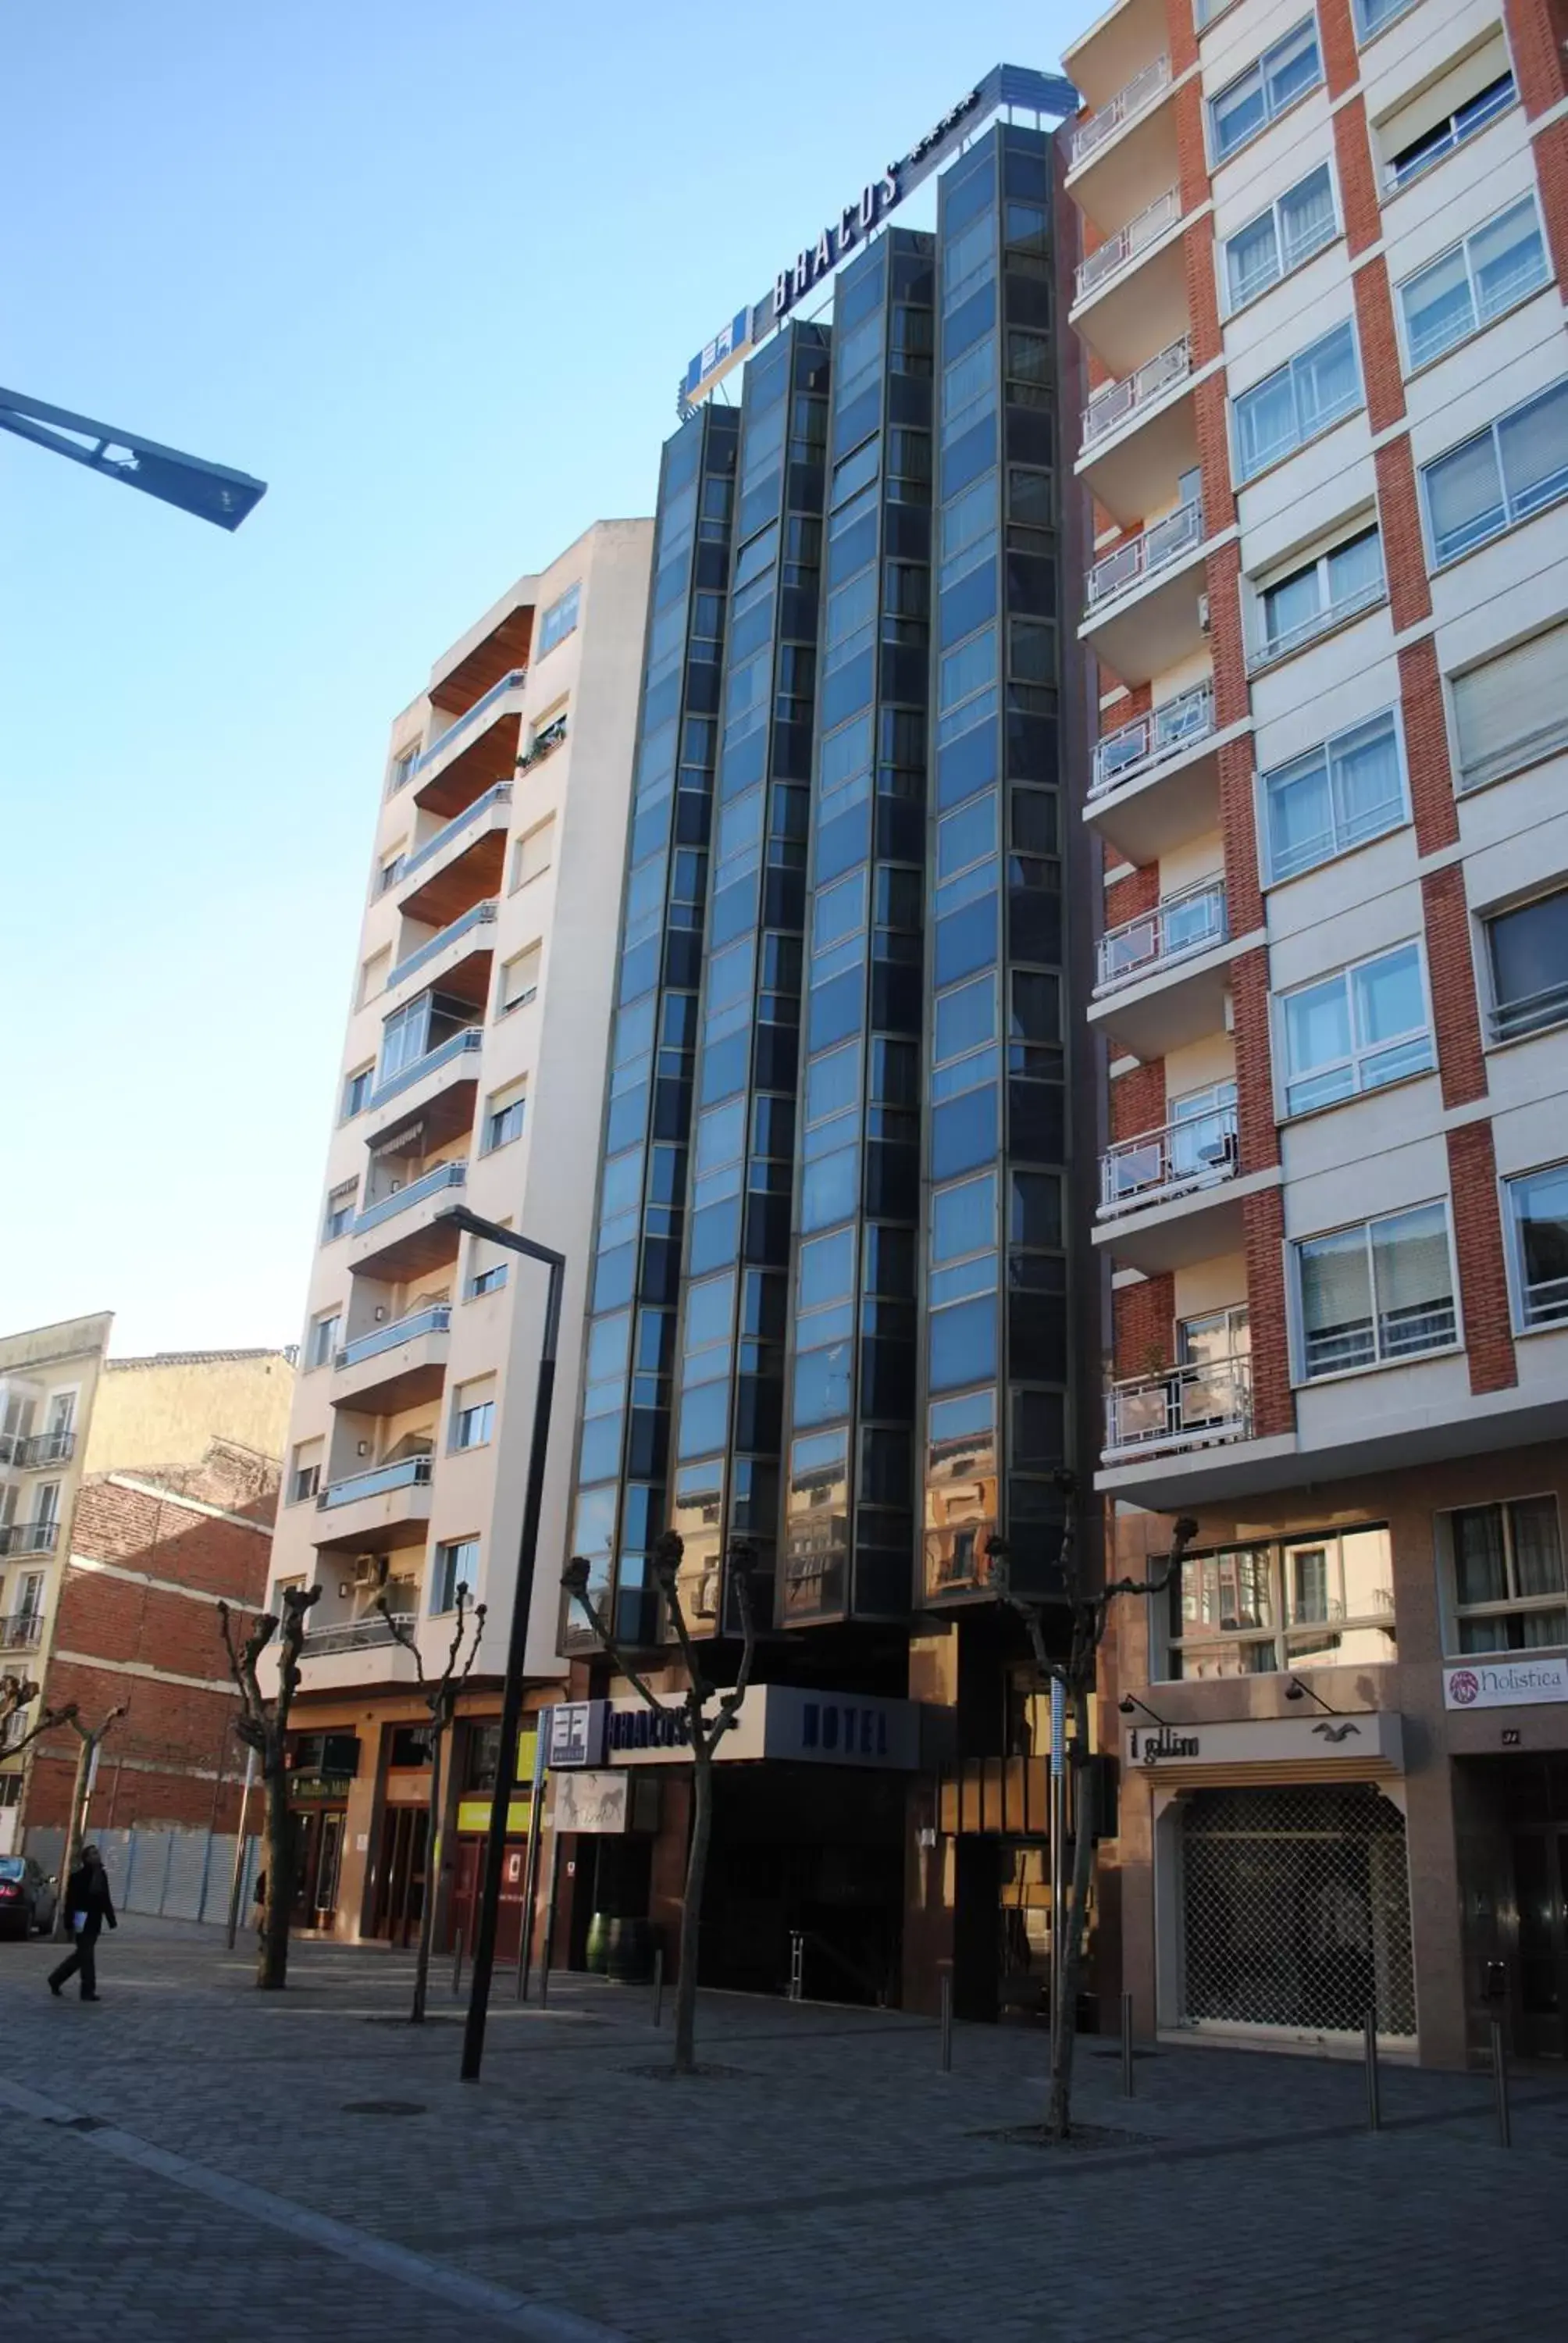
(211,491)
(460,1217)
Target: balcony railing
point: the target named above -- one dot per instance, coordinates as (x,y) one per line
(356,1636)
(461,1044)
(469,719)
(498,793)
(1177,927)
(1131,750)
(407,1472)
(1113,404)
(478,915)
(1199,1151)
(1127,102)
(1150,550)
(22,1632)
(550,738)
(417,1191)
(434,1320)
(1322,622)
(29,1537)
(1114,253)
(1189,1407)
(45,1448)
(1530,1013)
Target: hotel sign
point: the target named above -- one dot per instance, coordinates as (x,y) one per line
(781,1722)
(1504,1683)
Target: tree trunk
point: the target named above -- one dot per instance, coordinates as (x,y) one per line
(272,1969)
(432,1882)
(1058,2121)
(691,1913)
(74,1824)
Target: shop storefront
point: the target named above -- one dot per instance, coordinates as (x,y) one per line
(322,1771)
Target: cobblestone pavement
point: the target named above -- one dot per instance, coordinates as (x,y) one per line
(229,2165)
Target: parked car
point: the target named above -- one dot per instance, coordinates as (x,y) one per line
(26,1897)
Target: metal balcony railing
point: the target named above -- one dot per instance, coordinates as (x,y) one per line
(407,1472)
(1138,93)
(1130,752)
(1109,258)
(1322,622)
(1142,555)
(29,1537)
(457,1045)
(478,915)
(1178,926)
(355,1636)
(498,793)
(1201,1150)
(1530,1013)
(1117,400)
(550,738)
(471,717)
(390,1337)
(46,1448)
(22,1632)
(1189,1407)
(387,1208)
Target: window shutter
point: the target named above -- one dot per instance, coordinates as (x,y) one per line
(1514,709)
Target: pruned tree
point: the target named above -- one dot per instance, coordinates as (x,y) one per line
(263,1725)
(17,1692)
(704,1733)
(441,1700)
(1076,1672)
(90,1740)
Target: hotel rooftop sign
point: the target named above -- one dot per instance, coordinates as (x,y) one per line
(1005,86)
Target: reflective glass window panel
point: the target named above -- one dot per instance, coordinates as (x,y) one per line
(1358,1029)
(1282,75)
(1516,467)
(1538,1220)
(1317,388)
(1336,798)
(963,1219)
(965,1019)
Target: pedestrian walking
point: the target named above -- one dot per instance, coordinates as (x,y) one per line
(88,1905)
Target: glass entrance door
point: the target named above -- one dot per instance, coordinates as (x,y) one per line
(1540,1991)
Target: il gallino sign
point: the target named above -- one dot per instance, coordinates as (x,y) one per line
(1504,1683)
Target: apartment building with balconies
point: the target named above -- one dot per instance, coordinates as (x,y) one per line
(472,1073)
(1323,251)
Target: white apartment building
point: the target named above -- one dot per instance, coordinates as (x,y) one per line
(473,1073)
(1326,438)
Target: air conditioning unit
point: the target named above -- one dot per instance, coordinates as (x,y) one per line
(370,1569)
(1203,613)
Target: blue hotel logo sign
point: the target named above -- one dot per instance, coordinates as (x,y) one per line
(575,1733)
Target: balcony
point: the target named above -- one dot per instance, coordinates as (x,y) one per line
(23,1630)
(357,1635)
(470,927)
(436,1090)
(1131,292)
(1201,1150)
(1126,153)
(461,864)
(1128,102)
(399,1236)
(1175,1196)
(1141,433)
(394,1366)
(1163,976)
(1189,1407)
(1145,611)
(29,1537)
(41,1449)
(376,1511)
(1155,783)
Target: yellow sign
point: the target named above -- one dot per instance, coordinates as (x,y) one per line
(473,1815)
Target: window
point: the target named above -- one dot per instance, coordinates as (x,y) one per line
(356,1091)
(1256,97)
(1508,1583)
(1319,595)
(533,853)
(1512,710)
(305,1471)
(1417,154)
(1516,467)
(1372,15)
(402,763)
(322,1339)
(1377,1293)
(1538,1230)
(339,1211)
(1333,799)
(1356,1030)
(520,979)
(1255,1610)
(1282,239)
(1317,390)
(473,1415)
(457,1564)
(1501,264)
(390,872)
(503,1117)
(1528,950)
(560,621)
(487,1280)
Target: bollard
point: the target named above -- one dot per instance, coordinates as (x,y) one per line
(457,1966)
(797,1963)
(947,2009)
(522,1982)
(1375,2101)
(1127,2076)
(658,1985)
(1500,2080)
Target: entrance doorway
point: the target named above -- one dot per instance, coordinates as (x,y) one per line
(320,1844)
(401,1875)
(1537,1807)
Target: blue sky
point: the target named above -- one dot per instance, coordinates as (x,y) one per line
(432,272)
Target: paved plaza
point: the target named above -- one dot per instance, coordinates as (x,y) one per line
(191,2159)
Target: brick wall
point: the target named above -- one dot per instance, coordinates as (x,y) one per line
(1382,378)
(1538,37)
(1138,1099)
(1145,1320)
(1243,890)
(1138,892)
(1552,177)
(1342,58)
(1258,1134)
(1426,747)
(1273,1406)
(1403,553)
(1461,1062)
(1482,1271)
(1358,183)
(1222,574)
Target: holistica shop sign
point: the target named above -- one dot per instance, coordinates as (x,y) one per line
(1504,1683)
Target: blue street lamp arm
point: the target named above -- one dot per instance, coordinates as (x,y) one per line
(211,491)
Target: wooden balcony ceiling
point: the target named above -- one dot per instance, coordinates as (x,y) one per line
(506,647)
(456,886)
(394,1388)
(414,1251)
(490,755)
(378,1537)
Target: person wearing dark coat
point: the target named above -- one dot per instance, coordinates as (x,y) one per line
(88,1905)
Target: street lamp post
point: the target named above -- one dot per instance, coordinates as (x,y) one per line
(212,492)
(460,1217)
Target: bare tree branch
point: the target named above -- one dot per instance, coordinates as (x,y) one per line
(403,1634)
(575,1579)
